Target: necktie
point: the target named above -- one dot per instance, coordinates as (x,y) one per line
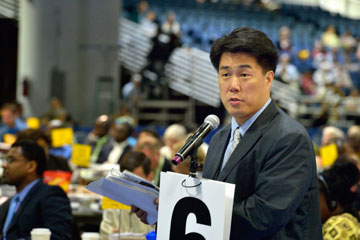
(236,141)
(10,214)
(237,137)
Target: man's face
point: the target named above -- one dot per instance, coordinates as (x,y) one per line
(15,167)
(119,132)
(154,157)
(101,129)
(8,118)
(244,87)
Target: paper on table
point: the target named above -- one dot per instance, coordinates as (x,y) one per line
(128,189)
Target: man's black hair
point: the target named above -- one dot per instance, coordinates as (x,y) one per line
(33,135)
(340,178)
(33,152)
(249,41)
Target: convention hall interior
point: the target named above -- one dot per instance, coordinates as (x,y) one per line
(78,74)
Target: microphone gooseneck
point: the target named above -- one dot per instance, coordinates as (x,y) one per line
(211,122)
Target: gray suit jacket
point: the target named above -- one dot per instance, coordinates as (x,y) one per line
(274,169)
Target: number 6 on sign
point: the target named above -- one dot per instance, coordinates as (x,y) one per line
(192,208)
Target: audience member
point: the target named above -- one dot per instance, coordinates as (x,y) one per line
(124,221)
(35,205)
(329,38)
(114,150)
(308,86)
(146,134)
(11,121)
(125,116)
(53,162)
(132,93)
(57,111)
(353,135)
(283,43)
(331,134)
(151,148)
(98,136)
(150,24)
(337,187)
(164,43)
(173,134)
(171,26)
(286,71)
(348,43)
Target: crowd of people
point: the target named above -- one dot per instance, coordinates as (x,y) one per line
(113,141)
(327,71)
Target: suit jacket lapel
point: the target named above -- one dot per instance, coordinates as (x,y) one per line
(3,213)
(24,203)
(214,164)
(250,139)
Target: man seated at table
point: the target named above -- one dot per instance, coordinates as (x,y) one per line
(116,220)
(151,146)
(11,122)
(115,149)
(35,204)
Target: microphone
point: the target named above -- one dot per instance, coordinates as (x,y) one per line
(211,122)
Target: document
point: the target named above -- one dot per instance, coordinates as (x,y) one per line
(129,189)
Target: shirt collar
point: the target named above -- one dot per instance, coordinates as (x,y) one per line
(246,125)
(22,194)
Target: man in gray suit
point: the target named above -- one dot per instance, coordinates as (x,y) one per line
(267,154)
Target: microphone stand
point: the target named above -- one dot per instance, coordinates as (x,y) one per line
(194,161)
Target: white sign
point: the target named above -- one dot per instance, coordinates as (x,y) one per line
(193,208)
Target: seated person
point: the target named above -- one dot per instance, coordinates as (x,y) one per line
(172,135)
(11,121)
(337,187)
(114,150)
(39,136)
(116,220)
(151,146)
(145,134)
(98,136)
(35,204)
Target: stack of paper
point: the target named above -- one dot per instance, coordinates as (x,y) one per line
(129,189)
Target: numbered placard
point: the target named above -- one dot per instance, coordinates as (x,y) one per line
(193,208)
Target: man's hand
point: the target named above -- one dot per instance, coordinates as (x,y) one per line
(141,213)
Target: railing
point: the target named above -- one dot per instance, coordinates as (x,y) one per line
(9,8)
(188,70)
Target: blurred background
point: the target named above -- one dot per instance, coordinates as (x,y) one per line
(151,57)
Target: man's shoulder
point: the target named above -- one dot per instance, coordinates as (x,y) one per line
(289,124)
(43,190)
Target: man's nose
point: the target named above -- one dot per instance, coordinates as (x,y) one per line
(234,85)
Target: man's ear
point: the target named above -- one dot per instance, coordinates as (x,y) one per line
(31,166)
(269,77)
